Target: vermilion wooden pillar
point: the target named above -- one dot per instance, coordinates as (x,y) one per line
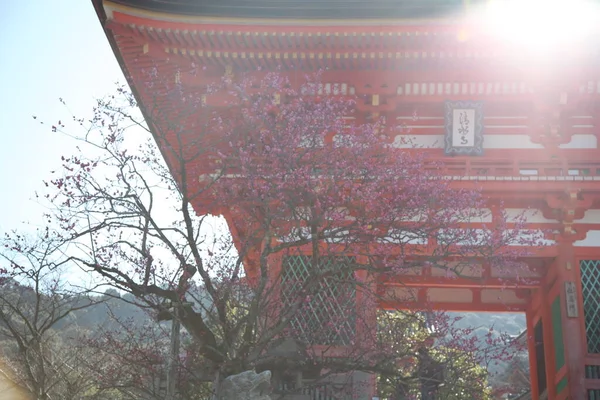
(531,347)
(549,346)
(571,316)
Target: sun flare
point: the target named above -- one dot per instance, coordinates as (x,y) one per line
(541,25)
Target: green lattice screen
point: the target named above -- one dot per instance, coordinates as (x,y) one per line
(329,317)
(590,282)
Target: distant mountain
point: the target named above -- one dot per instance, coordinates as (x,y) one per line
(106,313)
(503,323)
(511,323)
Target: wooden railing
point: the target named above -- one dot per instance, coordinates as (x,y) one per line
(592,376)
(492,170)
(519,170)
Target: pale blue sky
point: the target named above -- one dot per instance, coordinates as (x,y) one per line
(48,49)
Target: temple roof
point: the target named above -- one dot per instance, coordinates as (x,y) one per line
(311,9)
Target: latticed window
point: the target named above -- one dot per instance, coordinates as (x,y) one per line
(327,314)
(590,283)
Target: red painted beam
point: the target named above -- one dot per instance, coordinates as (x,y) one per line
(454,307)
(431,281)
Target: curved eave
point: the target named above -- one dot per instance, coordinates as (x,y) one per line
(103,19)
(302,9)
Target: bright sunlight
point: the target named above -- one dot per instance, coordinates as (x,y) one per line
(541,26)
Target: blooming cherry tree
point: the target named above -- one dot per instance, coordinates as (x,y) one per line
(323,209)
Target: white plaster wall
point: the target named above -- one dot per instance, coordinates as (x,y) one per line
(475,216)
(509,142)
(504,272)
(527,236)
(531,215)
(449,295)
(592,239)
(463,237)
(413,271)
(581,142)
(405,237)
(399,293)
(469,270)
(590,217)
(500,296)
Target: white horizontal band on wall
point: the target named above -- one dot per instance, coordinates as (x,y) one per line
(532,216)
(590,217)
(592,239)
(494,142)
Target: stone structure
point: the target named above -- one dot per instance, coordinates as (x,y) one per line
(246,386)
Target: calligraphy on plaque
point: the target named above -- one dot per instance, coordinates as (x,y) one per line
(571,298)
(464,128)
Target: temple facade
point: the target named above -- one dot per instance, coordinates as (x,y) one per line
(533,146)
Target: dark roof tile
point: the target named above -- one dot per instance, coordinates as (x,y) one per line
(313,9)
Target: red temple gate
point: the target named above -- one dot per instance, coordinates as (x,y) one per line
(540,141)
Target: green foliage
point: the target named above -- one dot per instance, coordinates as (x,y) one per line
(420,362)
